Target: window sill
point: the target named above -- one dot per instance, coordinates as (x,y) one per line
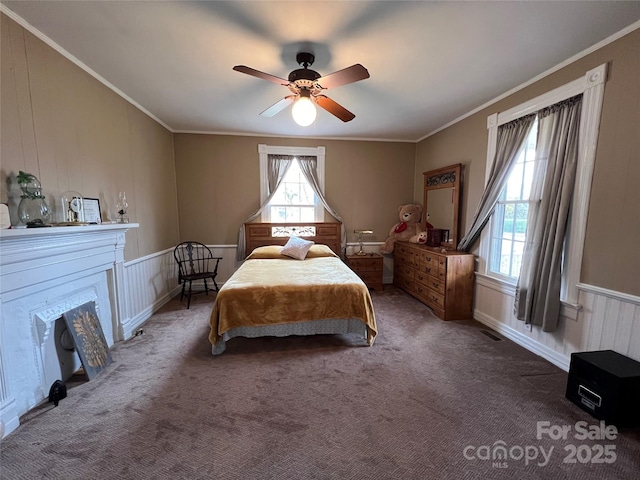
(567,310)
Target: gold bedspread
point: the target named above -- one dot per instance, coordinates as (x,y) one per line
(275,291)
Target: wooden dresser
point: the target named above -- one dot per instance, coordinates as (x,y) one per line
(368,268)
(443,281)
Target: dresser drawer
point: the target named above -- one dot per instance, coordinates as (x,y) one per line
(403,258)
(431,297)
(422,277)
(430,282)
(428,269)
(404,270)
(435,299)
(404,282)
(429,260)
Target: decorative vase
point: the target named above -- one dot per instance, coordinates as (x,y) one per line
(33,210)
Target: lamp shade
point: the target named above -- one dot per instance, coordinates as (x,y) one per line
(304,111)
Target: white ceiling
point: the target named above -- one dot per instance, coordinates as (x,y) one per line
(430,62)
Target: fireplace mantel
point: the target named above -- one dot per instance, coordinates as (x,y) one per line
(43,271)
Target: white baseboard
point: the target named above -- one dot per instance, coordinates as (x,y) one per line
(9,419)
(131,324)
(559,360)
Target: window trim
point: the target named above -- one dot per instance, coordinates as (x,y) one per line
(591,86)
(265,150)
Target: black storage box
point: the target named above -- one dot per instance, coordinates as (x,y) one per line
(607,385)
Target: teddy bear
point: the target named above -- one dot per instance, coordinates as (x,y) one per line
(420,238)
(409,225)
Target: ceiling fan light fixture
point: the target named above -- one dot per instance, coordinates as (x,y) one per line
(307,87)
(304,111)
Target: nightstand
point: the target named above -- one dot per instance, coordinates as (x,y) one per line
(369,268)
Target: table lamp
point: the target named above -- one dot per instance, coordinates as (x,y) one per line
(360,234)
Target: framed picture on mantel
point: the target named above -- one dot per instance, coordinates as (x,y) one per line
(92,210)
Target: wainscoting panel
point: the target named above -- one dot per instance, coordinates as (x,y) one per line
(612,320)
(603,320)
(153,280)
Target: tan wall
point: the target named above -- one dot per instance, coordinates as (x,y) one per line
(611,256)
(219,183)
(73,133)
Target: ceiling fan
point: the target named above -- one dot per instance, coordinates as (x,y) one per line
(307,87)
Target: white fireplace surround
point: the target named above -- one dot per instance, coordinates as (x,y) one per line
(45,272)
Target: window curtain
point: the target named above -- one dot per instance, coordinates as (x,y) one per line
(538,290)
(510,142)
(309,167)
(277,166)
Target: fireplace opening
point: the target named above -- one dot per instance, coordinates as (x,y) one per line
(66,350)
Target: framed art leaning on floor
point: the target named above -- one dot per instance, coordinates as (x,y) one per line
(84,325)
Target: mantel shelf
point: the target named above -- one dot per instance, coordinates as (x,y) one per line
(24,233)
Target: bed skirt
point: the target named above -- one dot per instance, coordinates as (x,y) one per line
(311,327)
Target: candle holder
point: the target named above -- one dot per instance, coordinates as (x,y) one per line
(121,208)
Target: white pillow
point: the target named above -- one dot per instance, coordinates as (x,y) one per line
(296,248)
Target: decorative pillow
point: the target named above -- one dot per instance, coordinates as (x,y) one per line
(296,248)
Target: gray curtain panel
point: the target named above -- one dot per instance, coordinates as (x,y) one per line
(277,166)
(538,290)
(309,167)
(510,142)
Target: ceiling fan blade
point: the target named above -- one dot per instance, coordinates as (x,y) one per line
(351,74)
(278,106)
(334,108)
(259,74)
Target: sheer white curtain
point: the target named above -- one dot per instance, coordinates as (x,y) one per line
(538,291)
(277,166)
(309,167)
(511,140)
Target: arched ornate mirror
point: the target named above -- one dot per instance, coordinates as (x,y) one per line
(442,189)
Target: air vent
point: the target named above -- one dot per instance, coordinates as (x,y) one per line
(491,335)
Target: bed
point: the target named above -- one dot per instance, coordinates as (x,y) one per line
(274,295)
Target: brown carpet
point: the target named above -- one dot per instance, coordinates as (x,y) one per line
(313,408)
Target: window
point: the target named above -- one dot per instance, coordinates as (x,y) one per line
(509,225)
(294,201)
(502,234)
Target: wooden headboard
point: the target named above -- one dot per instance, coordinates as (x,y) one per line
(261,234)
